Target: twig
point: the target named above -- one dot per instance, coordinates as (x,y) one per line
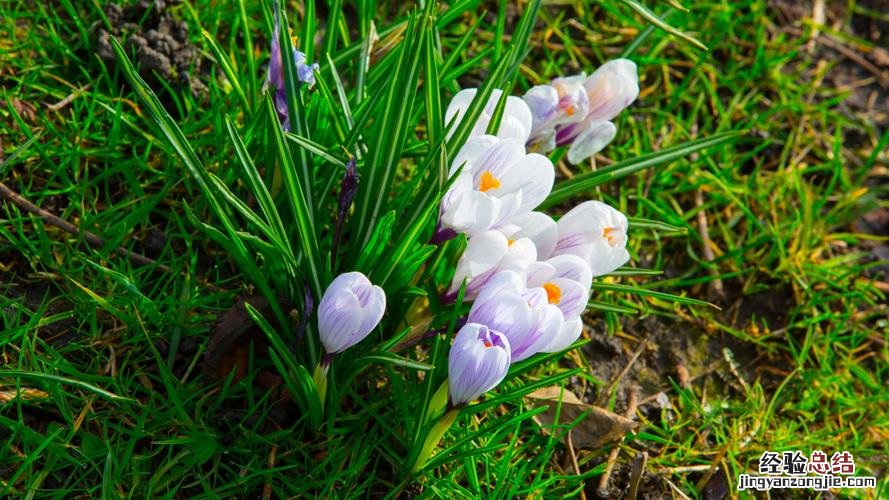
(632,402)
(706,244)
(91,238)
(267,487)
(68,99)
(574,465)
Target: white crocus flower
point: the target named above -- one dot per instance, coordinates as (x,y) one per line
(595,232)
(561,102)
(487,254)
(515,122)
(497,182)
(578,110)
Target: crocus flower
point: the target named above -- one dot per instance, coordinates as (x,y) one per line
(304,72)
(487,254)
(563,101)
(351,307)
(595,232)
(515,122)
(478,361)
(526,316)
(561,116)
(498,181)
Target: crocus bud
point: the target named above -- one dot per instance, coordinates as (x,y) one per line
(350,308)
(478,361)
(515,122)
(595,232)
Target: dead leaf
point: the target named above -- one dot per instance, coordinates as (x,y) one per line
(24,394)
(597,428)
(230,341)
(25,109)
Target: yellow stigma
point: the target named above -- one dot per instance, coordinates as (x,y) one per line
(488,182)
(607,233)
(553,292)
(509,242)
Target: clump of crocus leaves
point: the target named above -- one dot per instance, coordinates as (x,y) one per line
(404,215)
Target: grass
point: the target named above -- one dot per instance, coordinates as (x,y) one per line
(102,356)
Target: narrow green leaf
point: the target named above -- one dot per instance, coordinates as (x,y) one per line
(586,182)
(655,20)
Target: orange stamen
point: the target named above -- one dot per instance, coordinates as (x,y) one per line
(553,292)
(607,234)
(570,110)
(488,344)
(488,182)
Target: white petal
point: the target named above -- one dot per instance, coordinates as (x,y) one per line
(594,137)
(457,107)
(611,88)
(483,252)
(574,297)
(570,332)
(469,212)
(471,151)
(542,101)
(573,268)
(534,176)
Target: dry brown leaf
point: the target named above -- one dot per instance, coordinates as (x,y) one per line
(25,394)
(598,427)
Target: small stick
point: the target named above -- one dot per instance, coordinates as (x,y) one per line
(267,486)
(91,238)
(632,402)
(68,99)
(574,465)
(716,284)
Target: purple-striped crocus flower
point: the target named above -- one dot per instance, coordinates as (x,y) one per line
(524,315)
(498,180)
(578,110)
(595,232)
(305,73)
(478,361)
(351,307)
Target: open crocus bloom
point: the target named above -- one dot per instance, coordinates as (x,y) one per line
(486,254)
(595,232)
(304,72)
(350,309)
(497,182)
(528,317)
(562,116)
(478,361)
(514,124)
(562,101)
